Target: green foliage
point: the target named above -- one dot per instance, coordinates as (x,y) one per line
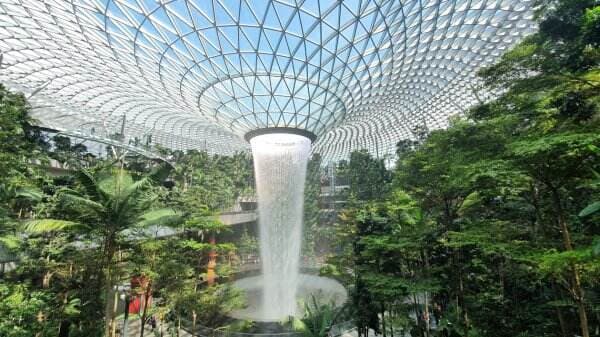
(248,244)
(318,318)
(106,203)
(10,242)
(49,225)
(164,217)
(216,302)
(212,182)
(591,26)
(490,225)
(22,312)
(594,207)
(495,219)
(312,193)
(557,264)
(367,176)
(19,141)
(590,209)
(76,236)
(65,152)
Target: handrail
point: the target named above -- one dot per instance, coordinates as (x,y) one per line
(204,331)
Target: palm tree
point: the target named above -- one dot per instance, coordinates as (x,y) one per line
(105,205)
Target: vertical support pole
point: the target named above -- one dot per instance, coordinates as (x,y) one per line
(123,128)
(126,316)
(212,262)
(332,184)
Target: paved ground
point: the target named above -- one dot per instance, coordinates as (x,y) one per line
(134,329)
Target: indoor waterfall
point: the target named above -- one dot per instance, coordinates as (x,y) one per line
(280,168)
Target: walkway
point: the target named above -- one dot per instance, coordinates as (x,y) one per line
(134,329)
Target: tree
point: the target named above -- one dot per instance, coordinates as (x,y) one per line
(85,233)
(367,176)
(104,205)
(552,80)
(20,142)
(22,311)
(312,193)
(67,153)
(218,180)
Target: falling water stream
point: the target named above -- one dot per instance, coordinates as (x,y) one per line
(280,168)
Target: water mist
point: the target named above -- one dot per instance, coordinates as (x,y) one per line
(280,168)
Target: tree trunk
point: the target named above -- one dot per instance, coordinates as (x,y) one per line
(194,316)
(535,200)
(460,297)
(597,330)
(561,321)
(63,328)
(383,319)
(561,318)
(576,288)
(579,299)
(46,280)
(192,176)
(416,306)
(107,307)
(212,262)
(126,318)
(145,312)
(426,315)
(47,275)
(113,314)
(501,276)
(462,304)
(108,287)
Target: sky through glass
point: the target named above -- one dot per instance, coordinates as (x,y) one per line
(201,73)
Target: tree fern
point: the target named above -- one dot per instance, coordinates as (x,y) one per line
(164,217)
(50,225)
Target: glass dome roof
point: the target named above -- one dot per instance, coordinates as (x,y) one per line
(201,74)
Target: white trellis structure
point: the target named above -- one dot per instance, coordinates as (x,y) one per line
(202,73)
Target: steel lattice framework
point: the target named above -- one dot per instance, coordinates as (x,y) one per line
(202,73)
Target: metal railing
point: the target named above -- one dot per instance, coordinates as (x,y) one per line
(340,329)
(202,331)
(208,332)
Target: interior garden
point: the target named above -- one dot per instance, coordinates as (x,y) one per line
(486,227)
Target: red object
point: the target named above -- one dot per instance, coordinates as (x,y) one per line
(135,304)
(138,286)
(139,283)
